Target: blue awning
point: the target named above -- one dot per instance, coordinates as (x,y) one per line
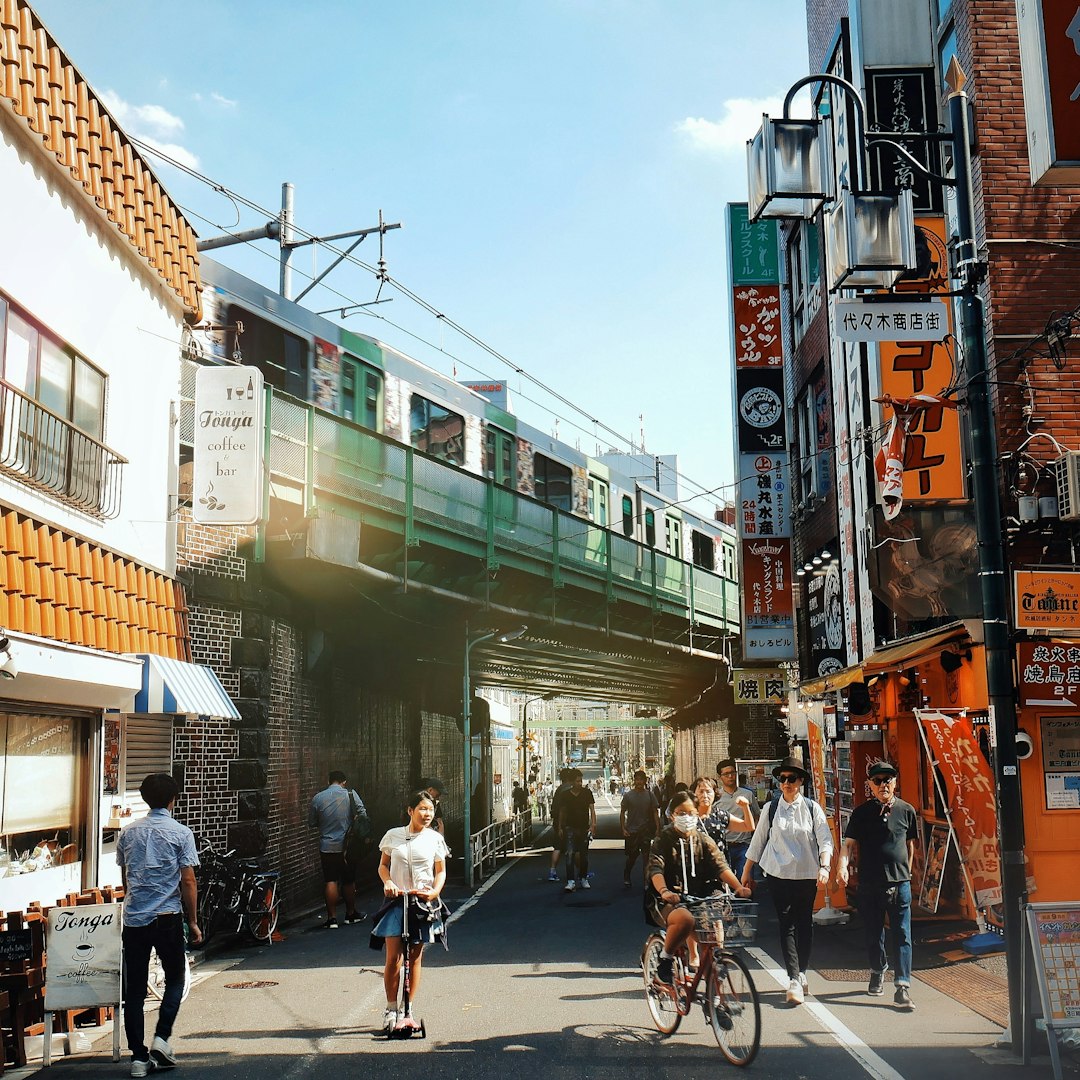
(175,686)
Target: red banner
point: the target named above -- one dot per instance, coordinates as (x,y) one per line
(969,785)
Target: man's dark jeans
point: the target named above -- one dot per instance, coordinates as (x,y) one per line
(577,853)
(874,903)
(166,935)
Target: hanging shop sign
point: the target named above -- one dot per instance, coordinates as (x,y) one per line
(909,320)
(764,495)
(825,619)
(758,342)
(759,686)
(1048,674)
(1046,600)
(969,786)
(759,402)
(227,488)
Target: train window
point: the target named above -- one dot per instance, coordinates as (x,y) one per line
(281,357)
(673,535)
(704,550)
(650,528)
(361,393)
(437,431)
(627,516)
(500,458)
(554,484)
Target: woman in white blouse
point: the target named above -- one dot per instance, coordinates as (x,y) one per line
(413,861)
(794,845)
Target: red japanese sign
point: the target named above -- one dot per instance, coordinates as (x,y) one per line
(766,582)
(970,789)
(758,342)
(1048,674)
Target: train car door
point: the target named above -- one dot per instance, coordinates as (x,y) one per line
(596,547)
(673,565)
(500,465)
(361,401)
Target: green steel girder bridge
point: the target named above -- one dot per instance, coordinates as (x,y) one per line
(394,549)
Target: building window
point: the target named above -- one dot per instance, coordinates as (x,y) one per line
(627,516)
(703,550)
(281,357)
(437,430)
(552,482)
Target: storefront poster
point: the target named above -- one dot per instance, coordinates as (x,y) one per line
(969,786)
(937,853)
(1055,939)
(83,946)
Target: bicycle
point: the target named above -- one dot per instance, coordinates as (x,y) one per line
(155,980)
(721,984)
(238,893)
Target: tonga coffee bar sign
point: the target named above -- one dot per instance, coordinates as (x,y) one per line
(83,946)
(227,487)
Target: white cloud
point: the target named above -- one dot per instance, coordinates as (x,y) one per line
(740,122)
(152,124)
(222,100)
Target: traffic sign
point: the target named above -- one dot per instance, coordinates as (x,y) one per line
(901,320)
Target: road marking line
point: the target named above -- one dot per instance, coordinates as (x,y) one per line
(875,1065)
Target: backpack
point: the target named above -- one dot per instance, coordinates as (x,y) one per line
(358,835)
(772,810)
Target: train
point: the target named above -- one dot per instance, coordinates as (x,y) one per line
(470,425)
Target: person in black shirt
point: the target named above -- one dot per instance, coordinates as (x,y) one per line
(884,829)
(577,823)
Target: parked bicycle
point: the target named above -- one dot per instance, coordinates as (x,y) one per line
(720,984)
(236,895)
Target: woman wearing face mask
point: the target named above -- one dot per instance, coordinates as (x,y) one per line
(794,845)
(684,862)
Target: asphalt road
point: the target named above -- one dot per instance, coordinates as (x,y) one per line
(539,983)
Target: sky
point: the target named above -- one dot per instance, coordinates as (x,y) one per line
(560,169)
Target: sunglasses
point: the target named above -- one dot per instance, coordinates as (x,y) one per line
(876,780)
(787,778)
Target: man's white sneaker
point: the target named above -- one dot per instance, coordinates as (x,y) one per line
(161,1053)
(795,992)
(389,1019)
(584,884)
(141,1068)
(802,981)
(570,886)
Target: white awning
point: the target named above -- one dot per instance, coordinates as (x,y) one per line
(175,686)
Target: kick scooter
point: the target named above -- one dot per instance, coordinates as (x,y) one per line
(407,1026)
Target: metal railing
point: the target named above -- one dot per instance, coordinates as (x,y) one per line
(498,837)
(51,454)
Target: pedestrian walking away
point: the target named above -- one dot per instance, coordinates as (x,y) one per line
(331,812)
(577,822)
(413,863)
(157,860)
(729,796)
(558,841)
(883,831)
(519,798)
(639,822)
(794,845)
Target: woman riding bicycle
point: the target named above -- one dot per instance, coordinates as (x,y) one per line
(684,862)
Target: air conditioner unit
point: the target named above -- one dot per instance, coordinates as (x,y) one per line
(1067,474)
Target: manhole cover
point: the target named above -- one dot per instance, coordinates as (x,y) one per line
(253,984)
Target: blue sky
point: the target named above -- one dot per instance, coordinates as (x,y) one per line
(560,168)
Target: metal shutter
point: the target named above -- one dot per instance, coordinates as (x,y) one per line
(147,749)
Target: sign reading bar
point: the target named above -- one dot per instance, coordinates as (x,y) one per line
(905,320)
(228,469)
(1046,600)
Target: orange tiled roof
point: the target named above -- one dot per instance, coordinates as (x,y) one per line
(40,84)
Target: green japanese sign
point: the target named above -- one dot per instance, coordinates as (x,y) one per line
(754,249)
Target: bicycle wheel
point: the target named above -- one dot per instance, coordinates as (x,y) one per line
(660,999)
(261,918)
(209,906)
(734,1010)
(155,981)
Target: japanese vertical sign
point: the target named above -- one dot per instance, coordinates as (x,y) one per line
(970,788)
(764,520)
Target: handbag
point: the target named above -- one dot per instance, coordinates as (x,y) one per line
(357,841)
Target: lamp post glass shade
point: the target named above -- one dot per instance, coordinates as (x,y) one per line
(789,170)
(870,240)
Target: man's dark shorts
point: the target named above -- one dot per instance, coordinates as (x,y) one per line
(335,868)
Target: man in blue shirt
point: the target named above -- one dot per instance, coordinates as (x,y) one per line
(157,862)
(330,812)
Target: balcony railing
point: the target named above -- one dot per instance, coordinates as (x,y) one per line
(50,454)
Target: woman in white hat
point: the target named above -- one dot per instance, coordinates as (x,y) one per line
(794,845)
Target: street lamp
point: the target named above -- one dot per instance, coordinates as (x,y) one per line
(524,733)
(985,496)
(500,637)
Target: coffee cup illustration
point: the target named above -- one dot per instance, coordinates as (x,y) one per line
(83,952)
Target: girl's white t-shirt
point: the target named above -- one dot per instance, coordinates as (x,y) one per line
(413,857)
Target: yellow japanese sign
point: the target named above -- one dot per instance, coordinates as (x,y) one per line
(1046,600)
(760,686)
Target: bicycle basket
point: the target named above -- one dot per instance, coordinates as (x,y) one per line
(740,922)
(710,917)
